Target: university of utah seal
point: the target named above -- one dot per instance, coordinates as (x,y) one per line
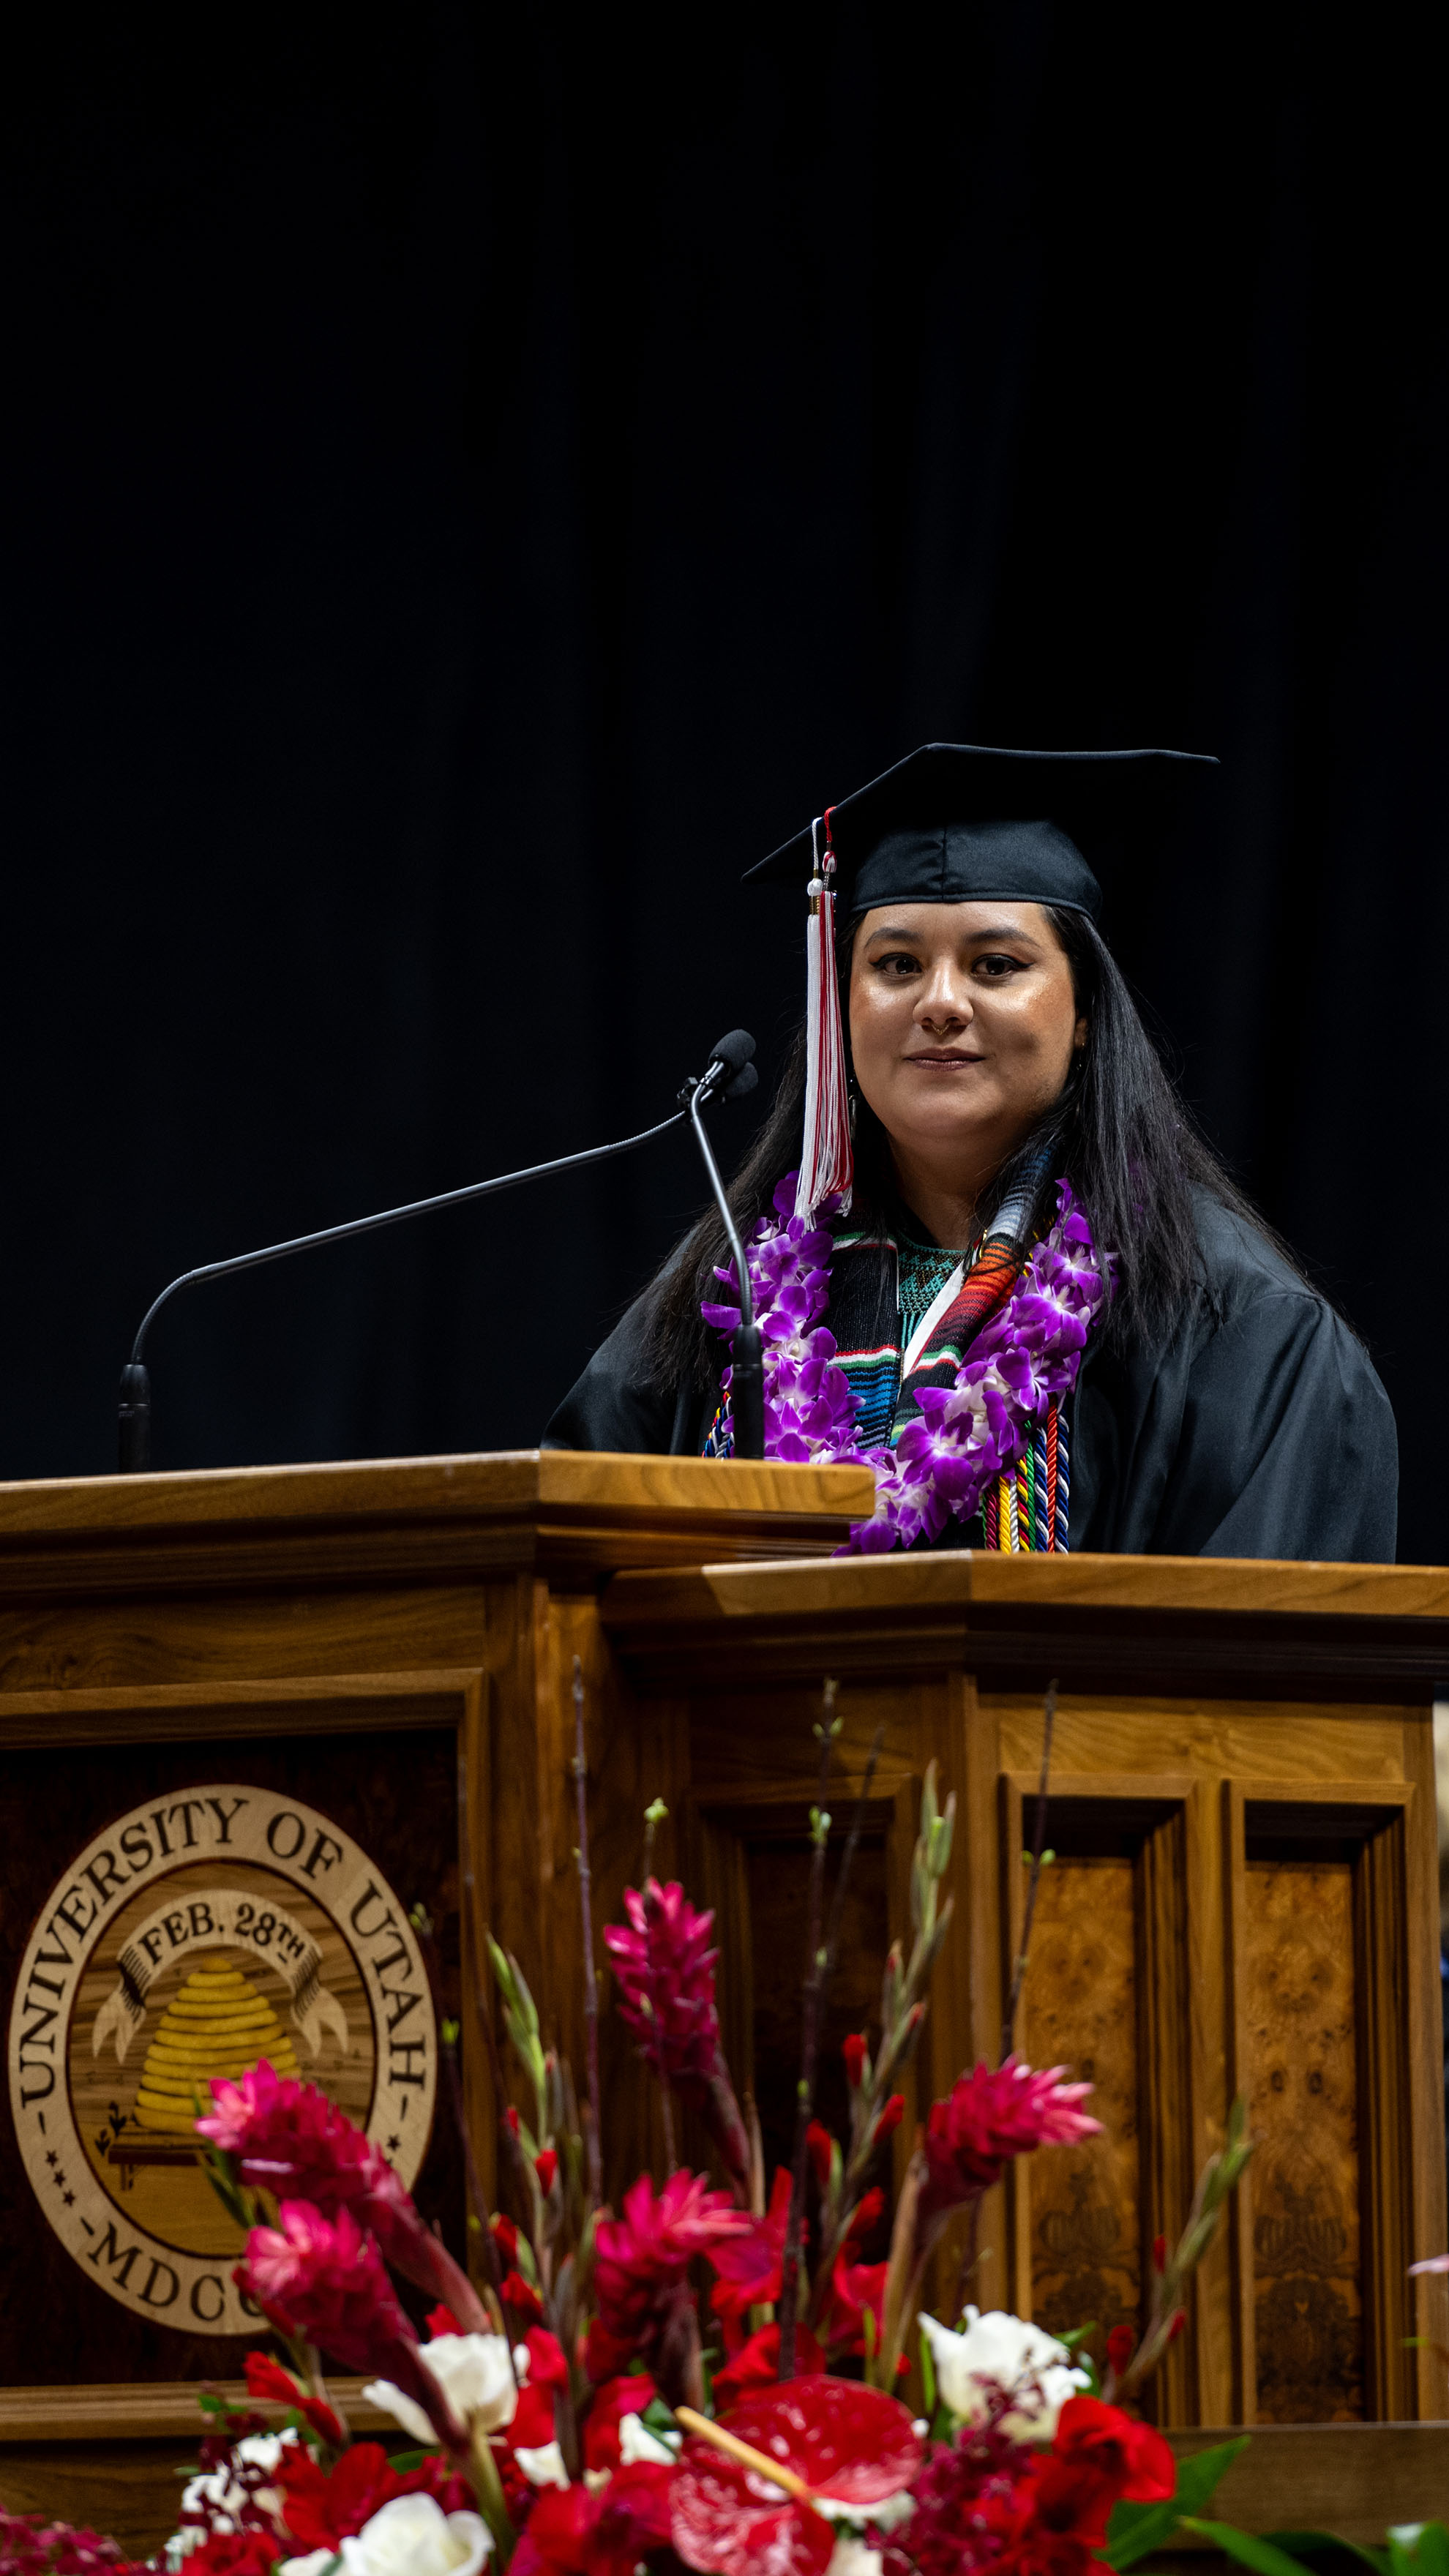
(197,1935)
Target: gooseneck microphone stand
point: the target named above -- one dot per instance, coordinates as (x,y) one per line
(747,1379)
(729,1076)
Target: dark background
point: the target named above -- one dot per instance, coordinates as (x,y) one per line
(473,481)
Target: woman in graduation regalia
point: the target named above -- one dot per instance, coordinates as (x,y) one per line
(988,1251)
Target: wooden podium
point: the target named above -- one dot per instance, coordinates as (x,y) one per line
(373,1664)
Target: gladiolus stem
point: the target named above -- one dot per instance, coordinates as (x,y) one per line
(1018,1979)
(815,1971)
(591,1983)
(488,2488)
(746,2454)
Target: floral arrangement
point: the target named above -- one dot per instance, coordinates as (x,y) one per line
(946,1460)
(714,2378)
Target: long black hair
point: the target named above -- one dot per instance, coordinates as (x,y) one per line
(1117,1128)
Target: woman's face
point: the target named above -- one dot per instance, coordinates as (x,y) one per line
(962,1027)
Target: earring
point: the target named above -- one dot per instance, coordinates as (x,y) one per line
(854,1105)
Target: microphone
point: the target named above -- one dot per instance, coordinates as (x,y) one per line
(730,1075)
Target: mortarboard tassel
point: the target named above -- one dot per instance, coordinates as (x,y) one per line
(826,1162)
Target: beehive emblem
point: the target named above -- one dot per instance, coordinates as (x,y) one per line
(218,2024)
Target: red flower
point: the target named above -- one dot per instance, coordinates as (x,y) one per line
(855,2290)
(643,2257)
(545,2165)
(616,2399)
(864,2219)
(522,2297)
(288,2139)
(324,2507)
(665,1970)
(750,2268)
(29,2547)
(574,2532)
(1121,2345)
(991,2117)
(853,2052)
(273,2386)
(505,2237)
(890,2118)
(1132,2454)
(330,2282)
(235,2553)
(819,2142)
(967,2508)
(850,2443)
(533,2421)
(757,2365)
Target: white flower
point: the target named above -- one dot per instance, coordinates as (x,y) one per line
(636,2442)
(312,2564)
(543,2467)
(1001,2353)
(219,2495)
(852,2557)
(473,2374)
(413,2536)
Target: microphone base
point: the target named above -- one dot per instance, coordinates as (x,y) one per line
(133,1422)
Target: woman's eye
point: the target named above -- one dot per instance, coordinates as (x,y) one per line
(998,968)
(899,962)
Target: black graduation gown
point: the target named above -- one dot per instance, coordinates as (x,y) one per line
(1258,1429)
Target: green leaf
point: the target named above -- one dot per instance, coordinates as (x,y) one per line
(928,2375)
(1324,2551)
(403,2461)
(1136,2529)
(1245,2546)
(1419,2549)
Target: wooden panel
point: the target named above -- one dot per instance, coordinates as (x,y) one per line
(1080,2009)
(1302,2081)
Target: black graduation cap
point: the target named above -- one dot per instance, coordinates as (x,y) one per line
(959,822)
(956,822)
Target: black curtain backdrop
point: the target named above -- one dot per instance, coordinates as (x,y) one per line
(473,481)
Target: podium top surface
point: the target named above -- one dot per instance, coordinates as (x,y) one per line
(565,1509)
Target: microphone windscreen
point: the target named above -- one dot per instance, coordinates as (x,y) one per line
(733,1051)
(741,1082)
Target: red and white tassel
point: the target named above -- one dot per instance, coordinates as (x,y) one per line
(827,1164)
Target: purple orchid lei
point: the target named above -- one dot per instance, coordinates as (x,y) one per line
(944,1462)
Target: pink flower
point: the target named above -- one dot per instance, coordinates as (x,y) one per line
(642,2259)
(329,2282)
(288,2139)
(665,1969)
(989,2118)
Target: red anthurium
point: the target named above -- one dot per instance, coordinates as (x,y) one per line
(750,2268)
(854,2445)
(616,2399)
(757,2365)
